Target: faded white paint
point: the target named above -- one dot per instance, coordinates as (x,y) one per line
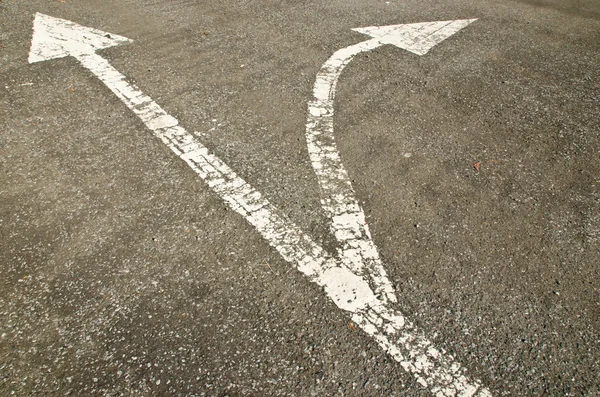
(59,38)
(357,249)
(340,278)
(417,38)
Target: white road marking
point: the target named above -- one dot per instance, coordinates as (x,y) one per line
(417,38)
(57,38)
(357,249)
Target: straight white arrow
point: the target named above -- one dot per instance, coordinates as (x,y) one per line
(57,38)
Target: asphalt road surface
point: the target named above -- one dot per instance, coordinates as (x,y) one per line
(124,273)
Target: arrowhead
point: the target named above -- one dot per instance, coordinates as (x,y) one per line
(58,38)
(417,38)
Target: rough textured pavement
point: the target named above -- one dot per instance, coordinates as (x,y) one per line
(122,274)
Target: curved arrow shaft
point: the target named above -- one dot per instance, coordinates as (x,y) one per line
(397,336)
(357,250)
(348,223)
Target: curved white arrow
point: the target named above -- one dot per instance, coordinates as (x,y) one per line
(57,38)
(357,250)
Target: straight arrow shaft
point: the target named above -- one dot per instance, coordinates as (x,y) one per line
(293,245)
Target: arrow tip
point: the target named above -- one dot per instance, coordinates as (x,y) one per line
(417,38)
(58,38)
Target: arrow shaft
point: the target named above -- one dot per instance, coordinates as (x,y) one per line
(347,218)
(357,251)
(293,245)
(418,356)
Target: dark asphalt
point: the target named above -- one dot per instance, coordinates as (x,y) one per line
(122,274)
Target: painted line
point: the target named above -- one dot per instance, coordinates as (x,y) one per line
(347,220)
(56,38)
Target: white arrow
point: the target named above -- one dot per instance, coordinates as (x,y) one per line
(357,250)
(57,38)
